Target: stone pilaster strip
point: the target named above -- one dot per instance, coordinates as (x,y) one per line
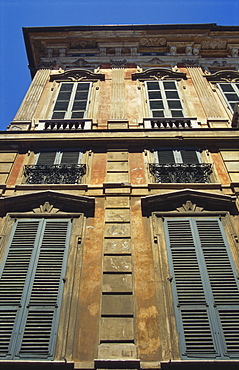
(204,92)
(29,104)
(118,94)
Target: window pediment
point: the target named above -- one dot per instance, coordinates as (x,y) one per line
(223,76)
(77,75)
(158,74)
(188,200)
(36,202)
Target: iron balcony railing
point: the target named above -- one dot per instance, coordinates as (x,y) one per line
(181,173)
(170,123)
(54,174)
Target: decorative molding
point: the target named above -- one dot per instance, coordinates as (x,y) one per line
(77,75)
(158,74)
(153,41)
(46,208)
(224,76)
(191,62)
(214,44)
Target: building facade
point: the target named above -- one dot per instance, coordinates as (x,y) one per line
(119,181)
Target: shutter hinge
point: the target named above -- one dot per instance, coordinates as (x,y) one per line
(170,278)
(64,280)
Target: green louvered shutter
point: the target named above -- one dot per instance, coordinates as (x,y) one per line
(46,158)
(205,290)
(165,157)
(70,158)
(34,328)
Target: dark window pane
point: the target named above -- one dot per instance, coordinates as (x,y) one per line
(232,97)
(65,95)
(158,113)
(69,158)
(154,95)
(156,104)
(177,113)
(61,105)
(169,85)
(58,115)
(79,105)
(227,87)
(66,87)
(174,104)
(153,86)
(83,86)
(189,156)
(172,94)
(166,157)
(46,158)
(81,95)
(77,115)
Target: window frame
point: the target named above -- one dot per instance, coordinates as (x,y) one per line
(71,101)
(178,159)
(235,87)
(167,111)
(58,156)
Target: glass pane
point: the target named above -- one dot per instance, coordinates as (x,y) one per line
(155,95)
(65,95)
(77,115)
(227,87)
(169,85)
(66,87)
(153,86)
(158,113)
(83,86)
(232,97)
(174,104)
(79,105)
(61,105)
(81,95)
(172,94)
(156,104)
(177,113)
(58,115)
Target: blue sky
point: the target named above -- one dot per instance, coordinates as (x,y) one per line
(15,14)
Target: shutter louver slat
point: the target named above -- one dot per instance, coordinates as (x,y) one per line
(7,320)
(37,333)
(230,327)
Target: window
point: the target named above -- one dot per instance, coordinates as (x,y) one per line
(231,93)
(205,288)
(56,167)
(180,166)
(31,286)
(164,99)
(72,100)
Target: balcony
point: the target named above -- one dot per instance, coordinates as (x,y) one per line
(181,173)
(55,174)
(170,123)
(64,124)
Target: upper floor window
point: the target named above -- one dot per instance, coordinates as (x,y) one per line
(56,167)
(180,166)
(231,93)
(72,100)
(164,99)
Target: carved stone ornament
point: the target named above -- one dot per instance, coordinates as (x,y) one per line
(77,75)
(191,62)
(158,74)
(153,41)
(214,44)
(118,63)
(48,65)
(46,208)
(188,206)
(223,76)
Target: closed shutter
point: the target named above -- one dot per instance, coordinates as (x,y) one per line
(46,158)
(205,289)
(189,156)
(70,158)
(165,157)
(37,253)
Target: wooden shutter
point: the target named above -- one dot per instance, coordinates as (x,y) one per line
(204,288)
(31,332)
(165,157)
(189,156)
